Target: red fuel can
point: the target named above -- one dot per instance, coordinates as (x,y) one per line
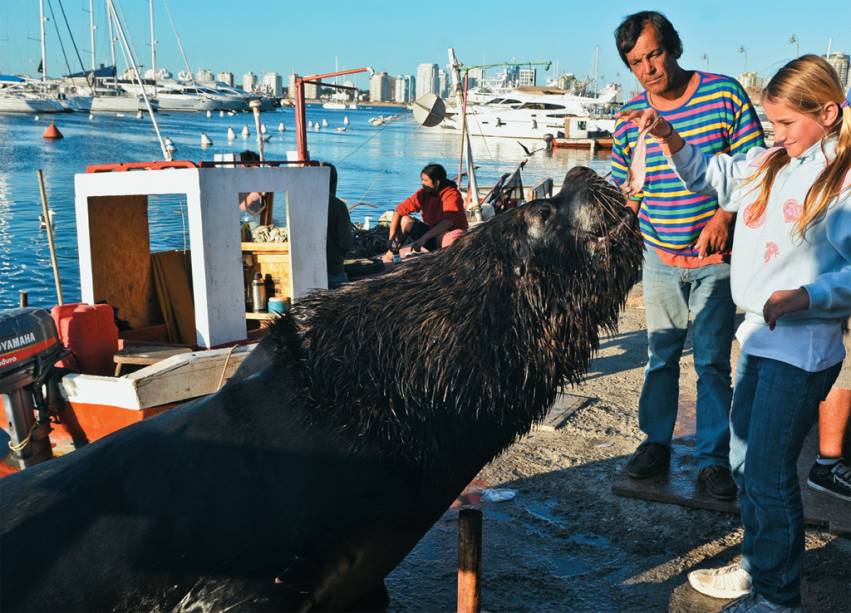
(89,332)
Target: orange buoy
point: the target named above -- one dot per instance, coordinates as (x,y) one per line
(52,132)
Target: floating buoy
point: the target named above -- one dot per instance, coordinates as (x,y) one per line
(209,114)
(324,123)
(316,127)
(138,114)
(205,141)
(35,118)
(341,129)
(245,132)
(345,120)
(52,132)
(171,149)
(281,127)
(262,128)
(231,134)
(91,116)
(309,123)
(221,113)
(231,113)
(266,137)
(168,142)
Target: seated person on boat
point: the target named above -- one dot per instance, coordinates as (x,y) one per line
(442,208)
(340,238)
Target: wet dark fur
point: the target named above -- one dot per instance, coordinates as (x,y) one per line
(342,438)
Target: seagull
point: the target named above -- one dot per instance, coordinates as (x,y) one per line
(531,153)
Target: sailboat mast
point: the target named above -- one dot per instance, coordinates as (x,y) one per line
(111,39)
(43,51)
(92,35)
(153,44)
(596,70)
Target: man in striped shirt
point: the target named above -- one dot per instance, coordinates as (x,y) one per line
(686,235)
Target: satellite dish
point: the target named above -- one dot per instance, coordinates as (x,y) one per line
(429,110)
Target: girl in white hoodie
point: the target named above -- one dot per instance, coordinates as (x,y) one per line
(791,274)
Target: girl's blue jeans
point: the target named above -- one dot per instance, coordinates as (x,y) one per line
(670,295)
(774,406)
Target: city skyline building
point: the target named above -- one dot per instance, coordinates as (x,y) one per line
(442,84)
(379,87)
(204,75)
(249,81)
(225,77)
(840,62)
(527,77)
(427,80)
(273,84)
(405,89)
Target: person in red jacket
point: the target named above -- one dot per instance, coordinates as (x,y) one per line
(442,209)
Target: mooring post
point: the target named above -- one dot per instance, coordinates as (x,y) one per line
(469,559)
(23,299)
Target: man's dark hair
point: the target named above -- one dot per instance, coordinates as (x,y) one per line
(435,172)
(249,156)
(630,29)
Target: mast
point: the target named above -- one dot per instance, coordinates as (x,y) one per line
(92,35)
(111,40)
(465,135)
(153,44)
(596,70)
(129,53)
(43,52)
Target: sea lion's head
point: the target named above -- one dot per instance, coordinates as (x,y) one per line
(485,330)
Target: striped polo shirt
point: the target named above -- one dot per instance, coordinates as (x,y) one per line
(718,118)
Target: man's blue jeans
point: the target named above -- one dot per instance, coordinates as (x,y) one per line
(670,294)
(774,407)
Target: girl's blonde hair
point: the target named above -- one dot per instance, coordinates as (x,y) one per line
(806,85)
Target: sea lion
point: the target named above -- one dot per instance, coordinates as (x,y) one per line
(308,478)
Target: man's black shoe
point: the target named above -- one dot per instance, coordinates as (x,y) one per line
(649,460)
(718,482)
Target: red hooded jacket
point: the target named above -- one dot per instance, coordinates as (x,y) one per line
(446,204)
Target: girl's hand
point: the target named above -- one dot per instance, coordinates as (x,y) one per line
(649,119)
(784,301)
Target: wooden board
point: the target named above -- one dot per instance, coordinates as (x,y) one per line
(174,379)
(680,487)
(564,406)
(121,257)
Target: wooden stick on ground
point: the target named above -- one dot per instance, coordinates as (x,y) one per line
(46,211)
(469,559)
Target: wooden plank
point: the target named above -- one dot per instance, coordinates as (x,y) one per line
(266,247)
(174,379)
(121,257)
(188,375)
(564,406)
(680,487)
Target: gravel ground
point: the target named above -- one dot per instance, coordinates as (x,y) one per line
(566,543)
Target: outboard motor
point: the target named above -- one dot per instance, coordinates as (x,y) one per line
(29,347)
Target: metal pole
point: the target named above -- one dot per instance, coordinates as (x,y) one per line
(126,48)
(46,212)
(460,102)
(43,50)
(153,45)
(469,560)
(300,121)
(92,35)
(111,40)
(255,108)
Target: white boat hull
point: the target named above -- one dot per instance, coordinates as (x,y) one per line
(27,104)
(119,104)
(510,124)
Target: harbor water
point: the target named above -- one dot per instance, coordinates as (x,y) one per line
(377,165)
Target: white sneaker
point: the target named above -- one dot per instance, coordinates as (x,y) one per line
(754,603)
(730,581)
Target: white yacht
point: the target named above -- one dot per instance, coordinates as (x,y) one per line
(174,96)
(18,96)
(535,113)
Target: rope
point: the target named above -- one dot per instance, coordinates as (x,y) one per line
(225,368)
(19,447)
(353,151)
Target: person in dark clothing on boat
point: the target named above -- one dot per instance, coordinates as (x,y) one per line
(340,237)
(442,208)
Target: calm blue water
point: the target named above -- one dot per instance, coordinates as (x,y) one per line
(376,165)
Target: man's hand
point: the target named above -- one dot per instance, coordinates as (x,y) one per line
(784,301)
(715,235)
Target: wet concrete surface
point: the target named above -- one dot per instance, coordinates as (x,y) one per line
(566,543)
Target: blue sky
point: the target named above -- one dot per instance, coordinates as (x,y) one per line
(395,36)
